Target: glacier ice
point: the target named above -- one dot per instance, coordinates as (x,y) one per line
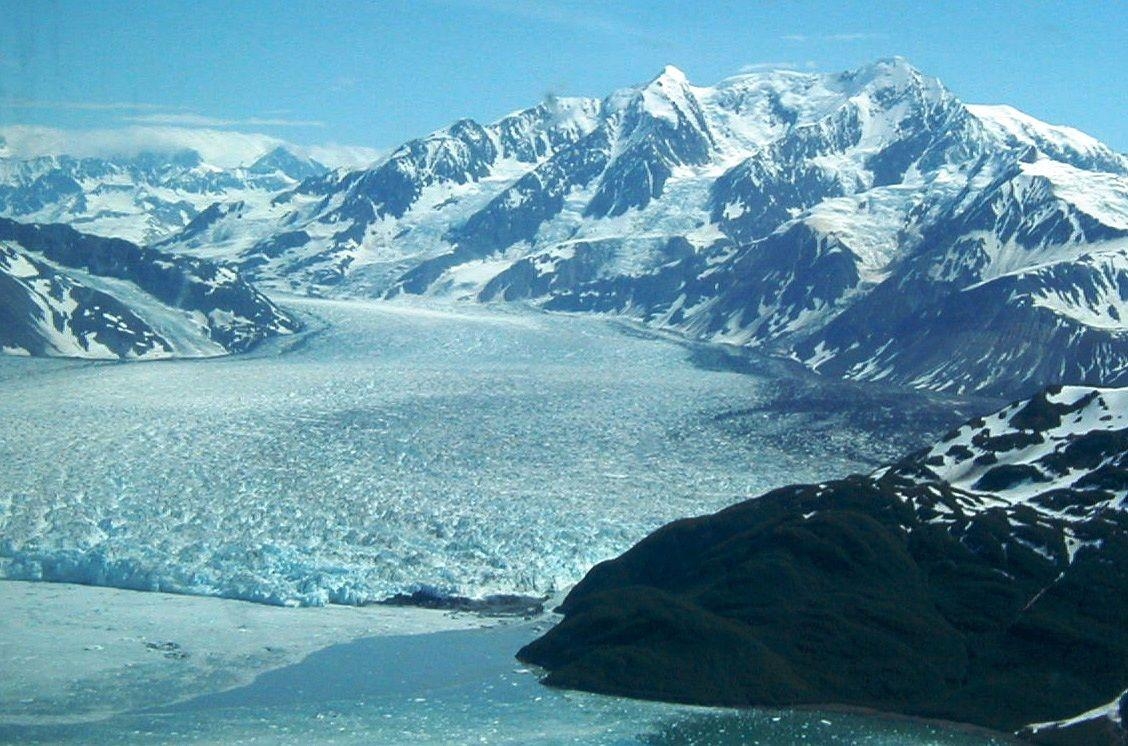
(394,446)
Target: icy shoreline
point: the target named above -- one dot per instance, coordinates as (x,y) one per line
(380,674)
(74,653)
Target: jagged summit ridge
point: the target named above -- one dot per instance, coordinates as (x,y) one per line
(850,221)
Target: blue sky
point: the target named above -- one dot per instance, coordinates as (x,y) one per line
(378,73)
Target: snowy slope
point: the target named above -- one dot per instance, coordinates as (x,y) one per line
(1066,442)
(1064,144)
(845,220)
(143,183)
(63,293)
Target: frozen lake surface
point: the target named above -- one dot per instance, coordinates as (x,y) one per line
(465,449)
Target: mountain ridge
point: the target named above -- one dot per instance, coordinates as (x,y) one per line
(980,580)
(833,218)
(64,293)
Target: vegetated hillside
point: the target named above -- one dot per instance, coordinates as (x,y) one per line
(984,580)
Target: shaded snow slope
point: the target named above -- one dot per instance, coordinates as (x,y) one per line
(63,293)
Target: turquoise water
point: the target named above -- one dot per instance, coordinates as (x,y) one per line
(462,688)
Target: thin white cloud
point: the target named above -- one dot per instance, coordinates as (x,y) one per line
(344,83)
(344,156)
(224,148)
(172,116)
(199,120)
(31,103)
(850,36)
(755,67)
(221,148)
(853,37)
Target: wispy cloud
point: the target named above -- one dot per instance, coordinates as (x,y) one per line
(344,83)
(199,120)
(755,67)
(134,112)
(31,103)
(851,36)
(225,148)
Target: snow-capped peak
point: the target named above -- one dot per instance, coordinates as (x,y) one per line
(1018,129)
(667,97)
(1102,196)
(1008,121)
(891,72)
(283,160)
(672,73)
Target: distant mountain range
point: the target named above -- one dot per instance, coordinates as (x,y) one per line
(868,223)
(982,580)
(142,198)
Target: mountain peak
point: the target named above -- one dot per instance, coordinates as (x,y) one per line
(671,73)
(283,160)
(667,96)
(896,72)
(1019,129)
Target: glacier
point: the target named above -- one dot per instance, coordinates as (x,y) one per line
(398,446)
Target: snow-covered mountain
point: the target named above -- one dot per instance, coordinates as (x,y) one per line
(63,293)
(363,229)
(868,224)
(141,184)
(982,580)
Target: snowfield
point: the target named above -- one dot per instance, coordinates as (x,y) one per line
(396,446)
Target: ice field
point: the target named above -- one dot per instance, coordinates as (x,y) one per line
(393,447)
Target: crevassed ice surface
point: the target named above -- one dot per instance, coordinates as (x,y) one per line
(466,449)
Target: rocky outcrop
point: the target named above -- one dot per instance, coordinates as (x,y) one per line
(984,581)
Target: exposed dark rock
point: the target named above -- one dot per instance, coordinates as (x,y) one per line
(219,306)
(895,591)
(501,605)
